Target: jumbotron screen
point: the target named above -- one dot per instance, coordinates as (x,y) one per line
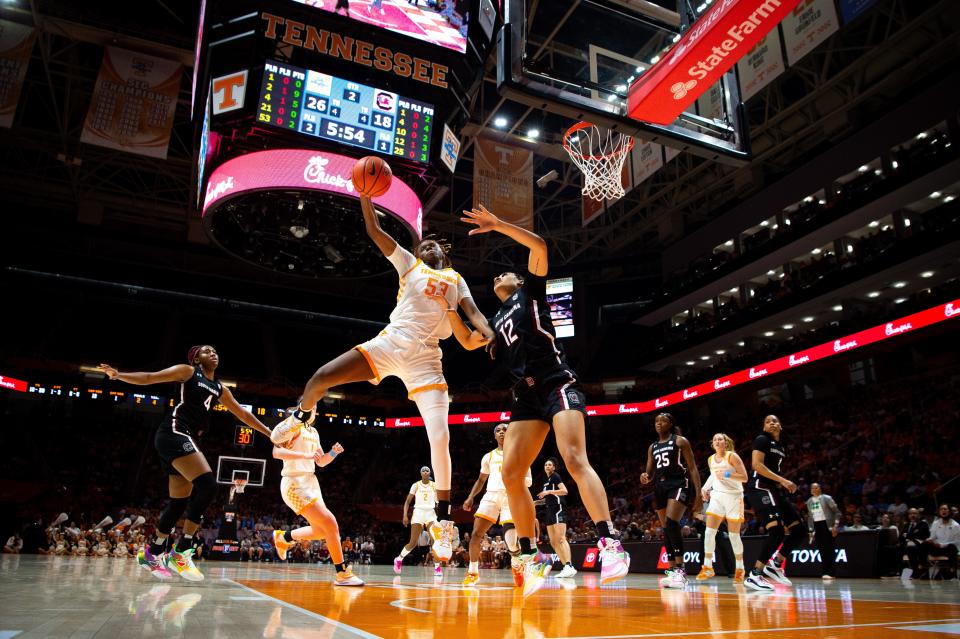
(445,27)
(324,106)
(560,299)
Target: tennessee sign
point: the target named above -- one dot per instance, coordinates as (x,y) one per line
(712,45)
(350,49)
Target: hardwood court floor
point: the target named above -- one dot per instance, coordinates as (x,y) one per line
(70,598)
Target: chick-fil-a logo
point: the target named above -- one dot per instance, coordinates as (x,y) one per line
(660,403)
(840,345)
(892,329)
(316,173)
(796,361)
(720,385)
(757,372)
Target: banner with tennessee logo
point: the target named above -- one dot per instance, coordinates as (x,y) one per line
(503,180)
(133,103)
(16,44)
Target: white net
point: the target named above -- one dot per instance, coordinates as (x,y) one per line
(600,155)
(237,489)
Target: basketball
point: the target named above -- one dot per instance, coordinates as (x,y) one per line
(372,176)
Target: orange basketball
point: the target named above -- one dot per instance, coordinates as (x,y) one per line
(372,176)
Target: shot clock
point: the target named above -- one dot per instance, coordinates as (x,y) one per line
(244,436)
(320,105)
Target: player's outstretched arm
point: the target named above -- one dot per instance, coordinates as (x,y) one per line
(241,413)
(470,340)
(384,242)
(176,373)
(476,318)
(485,221)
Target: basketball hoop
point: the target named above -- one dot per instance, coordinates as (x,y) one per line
(600,156)
(237,489)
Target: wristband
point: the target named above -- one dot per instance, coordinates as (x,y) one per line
(333,454)
(727,474)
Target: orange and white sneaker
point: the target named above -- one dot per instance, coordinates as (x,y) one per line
(281,544)
(705,573)
(442,547)
(738,576)
(347,578)
(471,579)
(182,564)
(517,567)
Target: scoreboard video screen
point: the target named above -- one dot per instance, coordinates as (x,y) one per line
(560,299)
(320,105)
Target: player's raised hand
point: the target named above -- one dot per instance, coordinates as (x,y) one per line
(480,217)
(108,370)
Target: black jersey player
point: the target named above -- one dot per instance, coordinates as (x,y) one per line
(766,491)
(190,481)
(676,486)
(545,394)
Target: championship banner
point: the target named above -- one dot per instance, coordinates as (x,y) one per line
(812,22)
(133,103)
(503,181)
(591,209)
(647,159)
(16,43)
(699,59)
(760,66)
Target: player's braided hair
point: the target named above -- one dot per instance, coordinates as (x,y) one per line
(445,247)
(193,353)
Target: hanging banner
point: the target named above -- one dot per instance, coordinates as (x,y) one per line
(812,22)
(16,43)
(503,181)
(591,209)
(710,104)
(852,9)
(133,103)
(760,66)
(647,159)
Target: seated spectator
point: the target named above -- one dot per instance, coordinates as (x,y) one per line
(14,545)
(944,540)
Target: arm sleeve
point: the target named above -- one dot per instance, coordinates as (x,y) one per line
(463,291)
(402,260)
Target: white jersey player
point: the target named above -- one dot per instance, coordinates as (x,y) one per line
(423,494)
(723,494)
(408,348)
(298,445)
(494,506)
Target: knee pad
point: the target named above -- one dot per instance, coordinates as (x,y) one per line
(434,407)
(674,535)
(709,541)
(510,536)
(204,490)
(736,543)
(171,513)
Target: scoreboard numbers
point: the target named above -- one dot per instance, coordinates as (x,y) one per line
(316,104)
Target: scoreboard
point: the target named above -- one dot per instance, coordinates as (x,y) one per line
(320,105)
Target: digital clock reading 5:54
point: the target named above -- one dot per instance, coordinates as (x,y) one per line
(324,106)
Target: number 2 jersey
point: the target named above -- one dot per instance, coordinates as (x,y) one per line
(526,340)
(416,313)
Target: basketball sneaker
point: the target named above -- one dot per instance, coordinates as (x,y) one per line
(757,582)
(182,564)
(437,571)
(567,572)
(155,565)
(281,544)
(347,578)
(516,567)
(738,576)
(442,548)
(614,560)
(471,579)
(536,569)
(397,564)
(705,573)
(676,578)
(775,572)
